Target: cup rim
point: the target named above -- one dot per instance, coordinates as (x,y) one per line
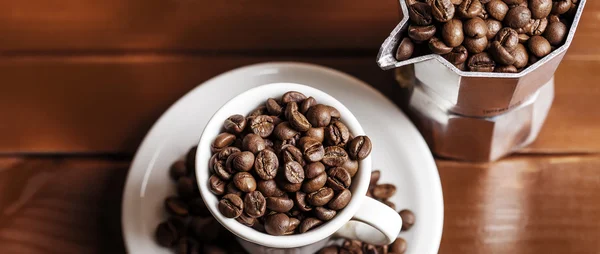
(261,93)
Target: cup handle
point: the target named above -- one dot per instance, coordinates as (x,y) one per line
(374,223)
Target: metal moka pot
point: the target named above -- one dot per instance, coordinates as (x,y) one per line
(475,94)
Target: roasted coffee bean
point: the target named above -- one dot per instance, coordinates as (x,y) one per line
(560,7)
(469,9)
(352,246)
(481,62)
(221,141)
(279,204)
(506,69)
(261,110)
(277,224)
(293,172)
(190,159)
(335,114)
(384,191)
(493,27)
(276,120)
(456,2)
(285,185)
(255,204)
(324,214)
(405,49)
(226,152)
(217,186)
(244,181)
(514,2)
(452,33)
(316,133)
(242,161)
(198,207)
(221,171)
(437,46)
(321,196)
(359,148)
(475,28)
(555,33)
(301,202)
(540,8)
(420,14)
(213,249)
(523,38)
(312,149)
(313,169)
(501,54)
(284,131)
(266,165)
(539,46)
(205,229)
(390,204)
(269,188)
(319,115)
(262,125)
(398,246)
(521,56)
(293,96)
(408,219)
(253,143)
(442,10)
(421,33)
(497,9)
(231,189)
(533,59)
(462,66)
(291,153)
(475,46)
(182,246)
(273,107)
(235,124)
(166,234)
(231,206)
(340,200)
(315,183)
(332,249)
(178,169)
(351,166)
(187,188)
(339,179)
(246,220)
(297,120)
(538,26)
(294,223)
(334,156)
(483,14)
(309,223)
(306,104)
(375,175)
(458,55)
(337,134)
(176,206)
(517,17)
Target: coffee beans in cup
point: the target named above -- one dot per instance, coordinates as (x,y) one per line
(486,35)
(287,167)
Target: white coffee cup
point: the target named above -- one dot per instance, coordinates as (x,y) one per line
(364,218)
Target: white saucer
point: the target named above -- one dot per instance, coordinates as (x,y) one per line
(399,151)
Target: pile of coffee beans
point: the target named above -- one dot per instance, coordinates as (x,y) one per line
(486,35)
(287,167)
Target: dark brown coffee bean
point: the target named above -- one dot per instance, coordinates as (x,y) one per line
(371,249)
(235,124)
(297,120)
(221,141)
(266,165)
(521,56)
(291,153)
(231,189)
(205,229)
(287,186)
(493,27)
(352,246)
(242,161)
(277,224)
(420,14)
(508,38)
(261,110)
(301,202)
(324,214)
(273,107)
(398,246)
(538,26)
(340,200)
(293,96)
(276,120)
(339,179)
(458,55)
(216,185)
(555,33)
(337,134)
(221,171)
(306,104)
(246,220)
(481,62)
(539,46)
(335,156)
(390,204)
(280,204)
(269,188)
(320,197)
(506,69)
(231,206)
(190,159)
(316,133)
(253,143)
(540,8)
(437,46)
(523,38)
(331,249)
(294,223)
(182,246)
(213,249)
(312,149)
(514,2)
(384,191)
(501,54)
(244,181)
(359,148)
(284,131)
(497,9)
(181,224)
(408,219)
(475,28)
(313,169)
(187,188)
(375,175)
(319,115)
(421,33)
(198,207)
(452,33)
(176,206)
(178,169)
(262,125)
(442,10)
(462,66)
(255,204)
(293,172)
(314,184)
(517,17)
(469,8)
(224,154)
(560,7)
(166,234)
(405,49)
(335,114)
(475,46)
(308,224)
(351,166)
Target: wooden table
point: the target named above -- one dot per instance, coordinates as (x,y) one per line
(82,82)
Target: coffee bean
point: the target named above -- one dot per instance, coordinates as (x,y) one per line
(462,66)
(242,161)
(469,9)
(266,164)
(166,234)
(277,224)
(523,38)
(262,125)
(321,196)
(178,169)
(476,46)
(293,172)
(316,133)
(221,141)
(286,185)
(213,249)
(306,104)
(205,229)
(497,9)
(221,171)
(506,69)
(319,115)
(315,183)
(420,14)
(246,220)
(351,166)
(452,33)
(359,148)
(255,204)
(501,54)
(231,189)
(521,56)
(517,17)
(408,219)
(335,114)
(312,149)
(332,249)
(231,206)
(481,62)
(540,8)
(253,143)
(539,46)
(390,204)
(324,214)
(308,224)
(442,10)
(421,33)
(198,207)
(244,181)
(555,33)
(176,206)
(216,186)
(334,156)
(538,26)
(340,200)
(269,188)
(301,202)
(508,38)
(405,49)
(352,246)
(293,96)
(475,28)
(284,131)
(313,169)
(458,55)
(384,191)
(456,2)
(437,46)
(398,246)
(294,223)
(261,110)
(187,188)
(514,2)
(276,120)
(297,120)
(273,107)
(339,179)
(291,153)
(561,6)
(190,159)
(280,204)
(375,175)
(337,134)
(493,27)
(235,124)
